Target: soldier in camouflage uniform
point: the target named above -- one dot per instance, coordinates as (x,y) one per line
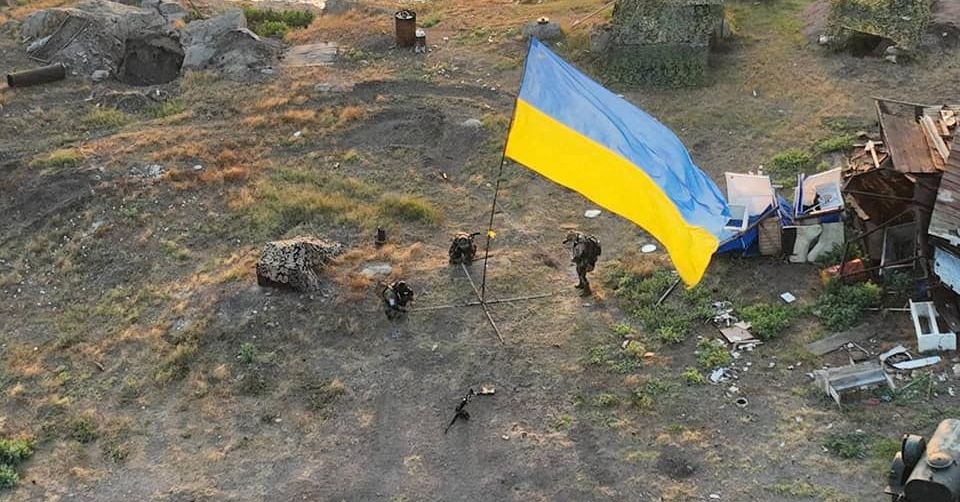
(463,249)
(585,250)
(396,296)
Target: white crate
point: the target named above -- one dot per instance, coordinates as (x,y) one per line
(930,336)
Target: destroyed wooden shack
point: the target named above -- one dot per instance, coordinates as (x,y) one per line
(891,183)
(944,232)
(660,42)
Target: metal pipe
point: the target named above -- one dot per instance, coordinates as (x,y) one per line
(42,75)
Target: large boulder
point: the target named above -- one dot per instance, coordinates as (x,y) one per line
(295,263)
(224,43)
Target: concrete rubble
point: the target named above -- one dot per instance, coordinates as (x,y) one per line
(146,45)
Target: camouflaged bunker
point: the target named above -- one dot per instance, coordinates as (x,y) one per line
(660,42)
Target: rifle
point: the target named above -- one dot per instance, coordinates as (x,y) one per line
(460,411)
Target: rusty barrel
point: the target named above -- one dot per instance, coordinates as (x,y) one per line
(36,76)
(406,28)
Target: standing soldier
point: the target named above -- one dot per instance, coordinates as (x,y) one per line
(463,249)
(396,296)
(585,250)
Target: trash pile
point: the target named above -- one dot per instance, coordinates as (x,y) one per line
(144,45)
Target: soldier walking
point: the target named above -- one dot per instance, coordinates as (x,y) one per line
(585,250)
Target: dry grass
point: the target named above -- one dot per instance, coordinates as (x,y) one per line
(346,268)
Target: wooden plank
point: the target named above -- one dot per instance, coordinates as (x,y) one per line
(933,136)
(838,340)
(905,139)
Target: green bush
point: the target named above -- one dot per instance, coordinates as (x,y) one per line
(276,23)
(248,353)
(693,376)
(607,400)
(8,477)
(712,353)
(621,330)
(83,430)
(167,109)
(767,321)
(789,163)
(835,255)
(839,143)
(841,305)
(14,451)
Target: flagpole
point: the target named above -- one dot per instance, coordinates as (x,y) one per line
(496,190)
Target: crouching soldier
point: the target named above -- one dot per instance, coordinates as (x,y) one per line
(585,249)
(463,249)
(396,296)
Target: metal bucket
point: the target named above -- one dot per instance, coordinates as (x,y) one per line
(406,28)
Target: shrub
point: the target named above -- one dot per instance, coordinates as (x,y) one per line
(321,395)
(835,255)
(271,29)
(14,451)
(767,321)
(105,118)
(841,305)
(59,158)
(645,395)
(671,334)
(167,109)
(607,400)
(276,23)
(621,330)
(8,477)
(836,143)
(712,353)
(248,353)
(693,376)
(847,445)
(83,430)
(787,164)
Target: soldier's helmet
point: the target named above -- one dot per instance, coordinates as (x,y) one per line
(572,237)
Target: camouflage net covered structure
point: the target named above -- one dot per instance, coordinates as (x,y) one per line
(295,263)
(660,42)
(901,21)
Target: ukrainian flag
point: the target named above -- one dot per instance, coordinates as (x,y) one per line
(580,135)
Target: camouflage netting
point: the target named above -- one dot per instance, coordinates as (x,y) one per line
(660,42)
(902,21)
(295,263)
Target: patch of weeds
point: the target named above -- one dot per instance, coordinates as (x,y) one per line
(321,395)
(860,445)
(276,23)
(67,340)
(563,422)
(841,306)
(114,450)
(175,250)
(8,477)
(248,353)
(255,382)
(898,284)
(693,376)
(671,322)
(786,165)
(646,395)
(606,400)
(167,109)
(712,353)
(768,321)
(105,118)
(82,430)
(410,209)
(841,142)
(670,334)
(14,451)
(621,330)
(430,20)
(67,157)
(176,364)
(835,255)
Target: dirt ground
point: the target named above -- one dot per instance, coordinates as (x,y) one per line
(140,354)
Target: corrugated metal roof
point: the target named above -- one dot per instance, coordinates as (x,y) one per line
(945,220)
(904,138)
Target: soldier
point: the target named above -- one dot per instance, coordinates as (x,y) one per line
(586,250)
(462,248)
(396,296)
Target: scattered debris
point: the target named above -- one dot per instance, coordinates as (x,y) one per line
(486,391)
(839,340)
(741,402)
(295,263)
(739,336)
(721,375)
(591,213)
(917,363)
(648,248)
(836,381)
(788,297)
